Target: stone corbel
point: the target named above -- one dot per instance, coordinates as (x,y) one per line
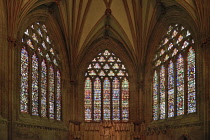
(12,41)
(205,42)
(57,2)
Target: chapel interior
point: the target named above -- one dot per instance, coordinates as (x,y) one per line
(105,70)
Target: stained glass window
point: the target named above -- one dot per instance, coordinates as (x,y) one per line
(88,99)
(35,89)
(171,89)
(106,99)
(44,78)
(155,96)
(191,80)
(58,96)
(44,89)
(116,99)
(162,93)
(97,99)
(125,99)
(24,81)
(180,85)
(106,90)
(174,76)
(51,92)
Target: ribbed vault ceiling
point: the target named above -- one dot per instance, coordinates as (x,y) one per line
(83,21)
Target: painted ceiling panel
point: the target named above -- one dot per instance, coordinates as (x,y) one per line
(118,11)
(130,5)
(95,12)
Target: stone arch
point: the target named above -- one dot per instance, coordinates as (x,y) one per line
(86,58)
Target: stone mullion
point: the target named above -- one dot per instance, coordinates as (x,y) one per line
(111,94)
(30,54)
(47,89)
(39,83)
(120,98)
(175,85)
(102,96)
(158,93)
(166,88)
(92,115)
(185,82)
(55,92)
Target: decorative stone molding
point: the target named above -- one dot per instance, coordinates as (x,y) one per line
(105,129)
(40,127)
(164,129)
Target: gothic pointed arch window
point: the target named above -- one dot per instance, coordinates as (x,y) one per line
(106,89)
(40,74)
(174,83)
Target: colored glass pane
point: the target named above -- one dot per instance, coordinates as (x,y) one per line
(101,59)
(125,100)
(155,96)
(35,37)
(97,66)
(111,59)
(97,99)
(105,102)
(88,99)
(43,89)
(180,85)
(44,46)
(116,99)
(171,89)
(106,66)
(30,44)
(162,93)
(58,96)
(106,99)
(191,81)
(51,93)
(39,32)
(24,81)
(35,76)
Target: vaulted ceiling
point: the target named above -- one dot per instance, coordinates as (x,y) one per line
(131,22)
